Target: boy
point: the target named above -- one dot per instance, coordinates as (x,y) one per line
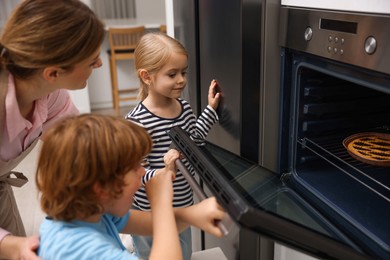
(88,171)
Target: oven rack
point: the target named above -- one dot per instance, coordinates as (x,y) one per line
(331,149)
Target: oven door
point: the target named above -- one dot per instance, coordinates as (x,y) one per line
(262,201)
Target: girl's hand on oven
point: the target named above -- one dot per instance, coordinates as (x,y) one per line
(215,94)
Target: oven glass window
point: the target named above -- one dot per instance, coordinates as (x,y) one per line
(264,190)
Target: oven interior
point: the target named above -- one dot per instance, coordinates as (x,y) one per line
(327,103)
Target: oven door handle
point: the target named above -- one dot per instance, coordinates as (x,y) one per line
(226,222)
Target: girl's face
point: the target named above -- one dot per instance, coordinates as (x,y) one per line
(121,205)
(77,78)
(171,79)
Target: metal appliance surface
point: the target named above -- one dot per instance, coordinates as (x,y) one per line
(224,43)
(235,42)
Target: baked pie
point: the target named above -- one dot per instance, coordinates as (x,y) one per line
(372,148)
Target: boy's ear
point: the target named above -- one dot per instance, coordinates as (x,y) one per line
(100,191)
(145,76)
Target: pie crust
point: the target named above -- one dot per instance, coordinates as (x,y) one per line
(372,148)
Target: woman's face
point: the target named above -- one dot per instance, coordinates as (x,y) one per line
(77,78)
(171,79)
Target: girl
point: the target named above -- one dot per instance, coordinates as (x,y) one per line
(161,64)
(88,171)
(46,48)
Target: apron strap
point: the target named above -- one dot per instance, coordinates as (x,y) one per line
(13,178)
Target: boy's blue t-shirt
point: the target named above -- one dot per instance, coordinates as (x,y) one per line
(83,240)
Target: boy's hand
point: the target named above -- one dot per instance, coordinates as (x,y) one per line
(159,188)
(215,95)
(205,216)
(169,159)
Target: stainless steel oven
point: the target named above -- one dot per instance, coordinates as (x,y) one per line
(334,82)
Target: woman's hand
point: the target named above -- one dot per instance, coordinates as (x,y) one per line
(29,247)
(215,95)
(15,247)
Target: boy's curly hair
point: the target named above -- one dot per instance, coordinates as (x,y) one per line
(81,151)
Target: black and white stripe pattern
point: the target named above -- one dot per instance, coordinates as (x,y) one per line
(158,128)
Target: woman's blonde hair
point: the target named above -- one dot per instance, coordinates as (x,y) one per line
(42,33)
(82,151)
(152,53)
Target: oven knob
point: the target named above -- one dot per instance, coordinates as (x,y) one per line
(308,34)
(370,45)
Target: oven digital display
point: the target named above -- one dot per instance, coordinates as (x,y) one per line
(337,25)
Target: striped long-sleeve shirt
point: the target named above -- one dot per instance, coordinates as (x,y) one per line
(158,128)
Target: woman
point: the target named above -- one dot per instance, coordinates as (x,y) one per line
(46,48)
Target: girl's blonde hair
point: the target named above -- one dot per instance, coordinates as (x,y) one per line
(152,53)
(42,33)
(82,151)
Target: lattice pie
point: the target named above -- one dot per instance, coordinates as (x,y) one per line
(372,148)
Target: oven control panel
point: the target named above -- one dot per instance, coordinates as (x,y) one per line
(362,6)
(353,38)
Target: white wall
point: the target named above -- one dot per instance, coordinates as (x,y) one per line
(169,18)
(81,99)
(150,12)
